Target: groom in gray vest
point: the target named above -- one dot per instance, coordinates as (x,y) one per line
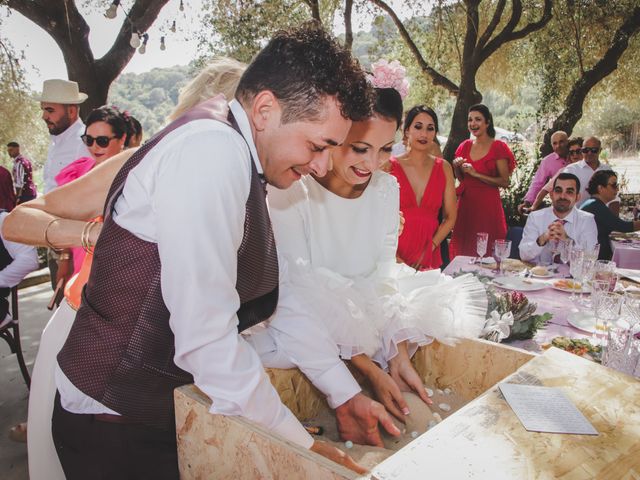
(186,259)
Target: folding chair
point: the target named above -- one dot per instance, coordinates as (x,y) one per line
(10,332)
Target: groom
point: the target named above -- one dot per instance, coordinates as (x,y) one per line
(184,262)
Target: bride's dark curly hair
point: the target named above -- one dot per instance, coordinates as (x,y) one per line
(302,67)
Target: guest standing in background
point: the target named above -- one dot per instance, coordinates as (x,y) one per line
(22,174)
(483,166)
(60,104)
(426,185)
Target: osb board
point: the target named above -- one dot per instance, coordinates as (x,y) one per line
(470,367)
(485,440)
(296,392)
(219,447)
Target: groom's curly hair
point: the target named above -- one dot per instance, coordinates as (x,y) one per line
(302,67)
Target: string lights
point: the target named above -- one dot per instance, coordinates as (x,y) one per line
(139,40)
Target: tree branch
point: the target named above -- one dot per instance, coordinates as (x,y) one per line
(508,33)
(497,15)
(314,5)
(574,101)
(437,78)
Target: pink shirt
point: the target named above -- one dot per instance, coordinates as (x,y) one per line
(549,166)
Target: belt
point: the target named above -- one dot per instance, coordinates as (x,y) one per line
(109,418)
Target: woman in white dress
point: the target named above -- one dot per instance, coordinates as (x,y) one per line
(337,239)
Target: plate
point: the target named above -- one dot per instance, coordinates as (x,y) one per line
(585,321)
(547,275)
(582,289)
(518,283)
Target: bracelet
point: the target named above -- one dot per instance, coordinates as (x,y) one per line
(46,236)
(87,246)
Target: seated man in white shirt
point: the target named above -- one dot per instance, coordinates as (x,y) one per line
(16,261)
(561,221)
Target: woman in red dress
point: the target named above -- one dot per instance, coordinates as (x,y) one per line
(483,166)
(426,185)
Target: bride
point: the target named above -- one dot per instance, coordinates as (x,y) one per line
(337,239)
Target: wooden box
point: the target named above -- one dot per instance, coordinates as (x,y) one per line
(484,439)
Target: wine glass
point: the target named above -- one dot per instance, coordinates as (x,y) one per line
(501,251)
(565,251)
(482,239)
(576,270)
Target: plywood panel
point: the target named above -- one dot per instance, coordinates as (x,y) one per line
(485,440)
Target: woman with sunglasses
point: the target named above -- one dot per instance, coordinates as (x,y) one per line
(426,185)
(603,188)
(575,155)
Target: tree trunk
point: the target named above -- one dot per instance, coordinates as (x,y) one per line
(348,28)
(68,28)
(572,110)
(459,132)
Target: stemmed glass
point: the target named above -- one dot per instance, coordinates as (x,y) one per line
(501,251)
(576,269)
(482,239)
(565,251)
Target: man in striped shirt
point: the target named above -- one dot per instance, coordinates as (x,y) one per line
(22,174)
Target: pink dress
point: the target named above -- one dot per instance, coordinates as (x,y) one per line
(479,204)
(75,170)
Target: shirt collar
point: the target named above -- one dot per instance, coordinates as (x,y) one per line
(245,129)
(569,218)
(70,132)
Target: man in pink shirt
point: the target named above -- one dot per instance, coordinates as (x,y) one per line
(549,166)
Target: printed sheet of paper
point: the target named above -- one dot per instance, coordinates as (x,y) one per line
(545,409)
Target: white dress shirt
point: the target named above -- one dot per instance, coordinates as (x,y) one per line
(580,227)
(25,260)
(196,216)
(63,149)
(584,172)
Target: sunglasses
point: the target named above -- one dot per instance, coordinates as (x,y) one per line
(102,140)
(575,152)
(590,150)
(614,185)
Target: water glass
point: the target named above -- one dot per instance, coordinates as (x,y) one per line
(607,308)
(482,239)
(631,309)
(622,352)
(501,251)
(606,270)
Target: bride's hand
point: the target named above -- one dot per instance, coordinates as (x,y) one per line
(388,393)
(406,377)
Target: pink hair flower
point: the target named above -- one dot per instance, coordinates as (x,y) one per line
(392,74)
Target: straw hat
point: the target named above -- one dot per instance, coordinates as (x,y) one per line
(61,91)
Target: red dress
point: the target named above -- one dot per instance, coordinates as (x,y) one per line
(479,205)
(420,221)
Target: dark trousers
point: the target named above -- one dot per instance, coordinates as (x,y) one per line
(90,449)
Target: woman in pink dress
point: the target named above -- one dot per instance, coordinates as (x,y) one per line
(483,166)
(426,185)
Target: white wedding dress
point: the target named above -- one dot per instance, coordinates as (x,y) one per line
(339,256)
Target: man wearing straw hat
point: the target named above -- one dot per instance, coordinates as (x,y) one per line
(60,102)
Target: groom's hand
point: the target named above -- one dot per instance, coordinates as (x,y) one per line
(358,421)
(332,453)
